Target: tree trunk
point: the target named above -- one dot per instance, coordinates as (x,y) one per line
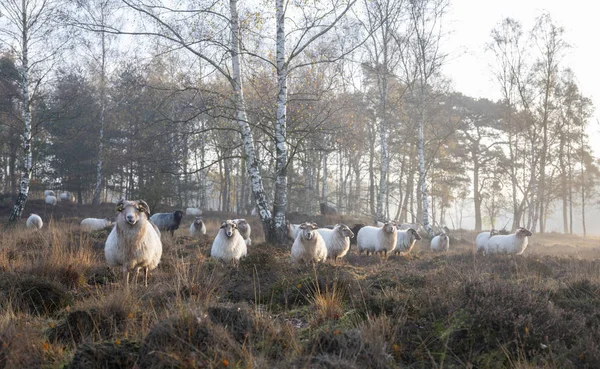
(422,173)
(28,157)
(476,192)
(324,185)
(98,187)
(242,120)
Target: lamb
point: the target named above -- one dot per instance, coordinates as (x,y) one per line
(167,221)
(326,209)
(67,196)
(95,224)
(515,243)
(34,221)
(229,245)
(375,239)
(197,227)
(337,240)
(355,228)
(49,193)
(244,229)
(293,230)
(309,245)
(193,211)
(134,241)
(406,241)
(482,239)
(440,243)
(51,200)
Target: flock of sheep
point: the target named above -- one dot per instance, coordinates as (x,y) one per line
(134,242)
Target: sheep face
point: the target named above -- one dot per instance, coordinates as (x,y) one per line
(389,227)
(178,215)
(345,231)
(415,233)
(230,227)
(524,232)
(133,211)
(198,221)
(308,230)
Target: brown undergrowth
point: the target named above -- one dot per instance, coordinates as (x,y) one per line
(61,307)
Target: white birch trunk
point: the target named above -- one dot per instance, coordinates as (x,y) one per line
(324,184)
(423,178)
(28,157)
(98,187)
(280,198)
(242,120)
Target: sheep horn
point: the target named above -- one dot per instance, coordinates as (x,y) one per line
(144,206)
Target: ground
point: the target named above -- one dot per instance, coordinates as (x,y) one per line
(62,307)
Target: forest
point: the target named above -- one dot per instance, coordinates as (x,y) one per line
(234,106)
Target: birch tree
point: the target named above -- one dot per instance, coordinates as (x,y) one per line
(29,29)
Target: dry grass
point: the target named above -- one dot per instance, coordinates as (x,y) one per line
(60,306)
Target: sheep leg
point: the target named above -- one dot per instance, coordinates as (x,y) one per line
(146,276)
(137,274)
(125,273)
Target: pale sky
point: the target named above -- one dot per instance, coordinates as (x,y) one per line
(471,21)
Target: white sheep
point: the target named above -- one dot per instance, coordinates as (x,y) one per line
(244,229)
(229,245)
(482,239)
(292,230)
(67,196)
(309,246)
(406,240)
(51,200)
(198,227)
(34,221)
(377,239)
(515,243)
(49,193)
(337,240)
(134,241)
(95,224)
(440,243)
(193,211)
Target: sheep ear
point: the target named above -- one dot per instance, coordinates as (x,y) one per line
(224,224)
(120,205)
(144,207)
(302,226)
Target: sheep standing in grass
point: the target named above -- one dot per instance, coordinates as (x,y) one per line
(67,196)
(134,242)
(337,240)
(229,245)
(34,221)
(406,241)
(167,221)
(309,246)
(440,243)
(482,239)
(95,224)
(244,229)
(377,239)
(51,200)
(515,243)
(49,193)
(197,227)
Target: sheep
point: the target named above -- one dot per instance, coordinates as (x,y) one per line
(34,221)
(67,196)
(293,230)
(134,241)
(51,200)
(309,245)
(95,224)
(355,228)
(167,221)
(244,229)
(515,243)
(229,245)
(326,209)
(49,193)
(375,239)
(482,239)
(197,227)
(337,240)
(193,211)
(440,243)
(406,241)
